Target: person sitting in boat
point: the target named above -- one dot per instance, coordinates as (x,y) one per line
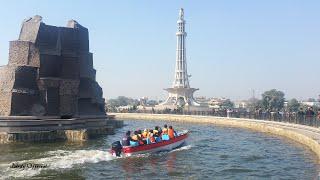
(171,132)
(152,135)
(139,133)
(142,140)
(126,139)
(156,134)
(164,135)
(156,131)
(134,141)
(165,129)
(159,131)
(150,138)
(145,133)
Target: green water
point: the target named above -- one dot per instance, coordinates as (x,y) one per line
(210,153)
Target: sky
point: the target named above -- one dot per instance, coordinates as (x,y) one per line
(233,47)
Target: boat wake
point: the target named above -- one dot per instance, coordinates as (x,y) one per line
(59,159)
(182,148)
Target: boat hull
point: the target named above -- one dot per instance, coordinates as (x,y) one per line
(155,147)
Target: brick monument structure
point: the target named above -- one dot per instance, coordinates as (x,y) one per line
(48,89)
(50,73)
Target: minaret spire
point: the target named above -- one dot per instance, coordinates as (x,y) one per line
(181,13)
(181,74)
(180,94)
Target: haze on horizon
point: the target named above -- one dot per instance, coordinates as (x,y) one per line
(232,47)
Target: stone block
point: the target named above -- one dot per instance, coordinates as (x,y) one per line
(90,60)
(26,78)
(30,28)
(19,52)
(19,94)
(23,53)
(89,89)
(5,103)
(69,42)
(24,104)
(50,66)
(69,87)
(86,66)
(86,107)
(7,76)
(94,72)
(68,105)
(49,39)
(44,83)
(70,68)
(97,91)
(85,90)
(52,100)
(82,35)
(90,98)
(34,56)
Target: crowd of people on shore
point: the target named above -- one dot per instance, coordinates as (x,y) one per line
(148,136)
(306,117)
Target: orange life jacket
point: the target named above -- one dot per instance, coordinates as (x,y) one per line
(145,134)
(151,138)
(171,133)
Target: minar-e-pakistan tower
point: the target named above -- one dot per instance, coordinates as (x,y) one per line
(180,94)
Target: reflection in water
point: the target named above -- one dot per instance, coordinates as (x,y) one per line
(149,162)
(171,162)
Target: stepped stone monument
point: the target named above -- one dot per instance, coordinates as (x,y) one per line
(48,89)
(50,73)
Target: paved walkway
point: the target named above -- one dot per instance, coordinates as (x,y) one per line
(309,131)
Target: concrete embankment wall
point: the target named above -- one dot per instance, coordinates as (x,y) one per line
(305,135)
(33,129)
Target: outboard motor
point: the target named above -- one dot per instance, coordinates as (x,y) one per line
(117,148)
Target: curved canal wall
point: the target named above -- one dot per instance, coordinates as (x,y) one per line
(308,136)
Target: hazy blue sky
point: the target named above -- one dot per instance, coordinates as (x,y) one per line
(232,46)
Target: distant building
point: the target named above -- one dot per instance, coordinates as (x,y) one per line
(143,101)
(241,104)
(216,102)
(201,99)
(311,103)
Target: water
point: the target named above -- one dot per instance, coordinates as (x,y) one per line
(210,153)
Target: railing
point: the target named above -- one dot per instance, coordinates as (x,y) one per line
(289,117)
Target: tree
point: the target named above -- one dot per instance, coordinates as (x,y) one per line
(293,105)
(113,103)
(152,103)
(254,103)
(273,100)
(227,104)
(122,101)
